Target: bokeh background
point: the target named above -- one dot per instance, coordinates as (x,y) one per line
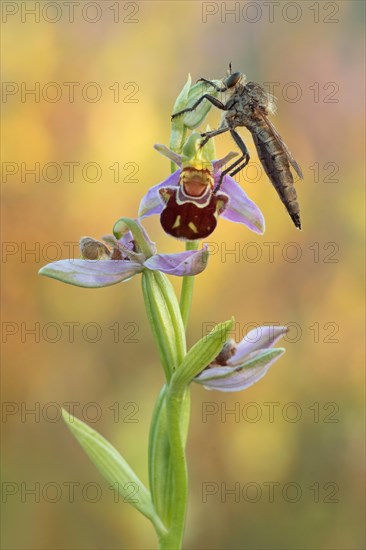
(109,369)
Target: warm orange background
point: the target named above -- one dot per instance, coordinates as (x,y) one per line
(168,41)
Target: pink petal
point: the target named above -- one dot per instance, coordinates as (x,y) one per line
(240,208)
(151,203)
(91,273)
(230,379)
(190,262)
(257,339)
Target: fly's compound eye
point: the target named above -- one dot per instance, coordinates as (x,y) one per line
(232,80)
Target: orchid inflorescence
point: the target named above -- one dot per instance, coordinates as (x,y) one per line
(189,210)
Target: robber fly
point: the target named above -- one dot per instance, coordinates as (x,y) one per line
(248,105)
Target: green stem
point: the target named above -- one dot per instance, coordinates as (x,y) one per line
(170,423)
(187,289)
(177,412)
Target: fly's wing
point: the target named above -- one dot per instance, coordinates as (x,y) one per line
(280,142)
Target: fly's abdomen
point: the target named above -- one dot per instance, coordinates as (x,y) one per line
(277,168)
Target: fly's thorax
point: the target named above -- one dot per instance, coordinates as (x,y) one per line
(239,100)
(259,97)
(196,181)
(239,109)
(239,115)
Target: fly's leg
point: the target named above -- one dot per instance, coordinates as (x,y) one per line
(212,84)
(208,135)
(239,164)
(243,148)
(209,97)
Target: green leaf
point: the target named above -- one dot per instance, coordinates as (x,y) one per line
(160,474)
(181,101)
(195,118)
(171,300)
(178,129)
(113,467)
(165,319)
(200,355)
(210,149)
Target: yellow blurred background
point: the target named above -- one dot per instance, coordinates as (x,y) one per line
(105,76)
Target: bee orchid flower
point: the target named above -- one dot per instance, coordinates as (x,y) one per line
(239,366)
(120,257)
(187,202)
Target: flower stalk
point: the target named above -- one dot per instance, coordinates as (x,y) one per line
(189,210)
(186,296)
(177,404)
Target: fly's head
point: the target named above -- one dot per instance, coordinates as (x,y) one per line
(234,82)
